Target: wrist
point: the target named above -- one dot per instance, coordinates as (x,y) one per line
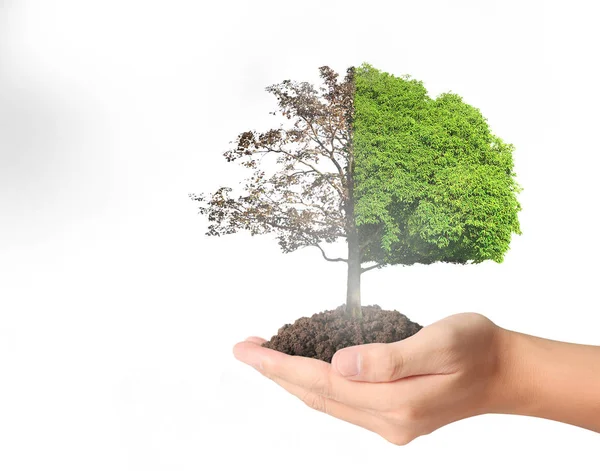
(512,385)
(545,378)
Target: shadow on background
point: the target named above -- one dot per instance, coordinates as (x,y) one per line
(42,161)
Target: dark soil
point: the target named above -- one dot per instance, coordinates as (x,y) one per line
(322,334)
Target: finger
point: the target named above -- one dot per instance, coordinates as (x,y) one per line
(318,377)
(424,353)
(315,376)
(361,418)
(256,340)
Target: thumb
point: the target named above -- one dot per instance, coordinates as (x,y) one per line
(385,362)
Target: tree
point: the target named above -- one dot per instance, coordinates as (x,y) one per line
(372,159)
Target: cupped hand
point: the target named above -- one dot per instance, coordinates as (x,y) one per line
(448,371)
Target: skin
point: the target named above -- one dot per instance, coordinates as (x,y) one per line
(459,367)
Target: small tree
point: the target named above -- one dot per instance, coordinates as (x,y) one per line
(401,177)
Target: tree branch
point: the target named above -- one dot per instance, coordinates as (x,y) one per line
(327,151)
(362,270)
(312,167)
(327,258)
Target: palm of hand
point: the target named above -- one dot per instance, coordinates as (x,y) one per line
(448,371)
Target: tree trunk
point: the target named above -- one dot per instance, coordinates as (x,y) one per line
(353,303)
(353,306)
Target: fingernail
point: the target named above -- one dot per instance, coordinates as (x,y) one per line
(348,363)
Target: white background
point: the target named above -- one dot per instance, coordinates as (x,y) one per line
(117,314)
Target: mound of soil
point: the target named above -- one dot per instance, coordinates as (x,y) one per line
(323,334)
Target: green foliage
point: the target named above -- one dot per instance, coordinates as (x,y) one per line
(432,183)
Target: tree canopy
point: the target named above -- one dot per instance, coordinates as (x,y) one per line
(299,186)
(432,183)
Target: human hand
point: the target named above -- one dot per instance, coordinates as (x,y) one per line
(449,370)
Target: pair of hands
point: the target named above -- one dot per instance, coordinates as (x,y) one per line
(448,371)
